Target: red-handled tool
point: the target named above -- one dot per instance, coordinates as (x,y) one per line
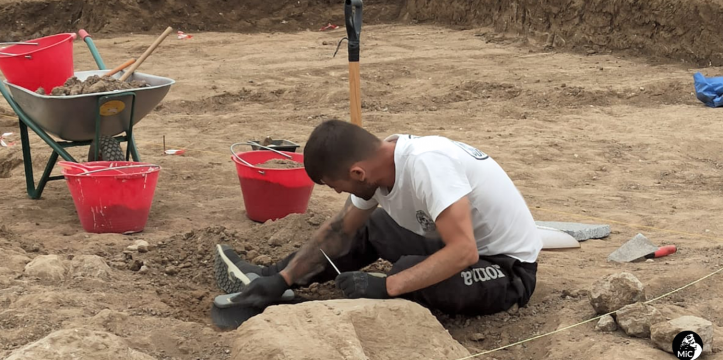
(662,251)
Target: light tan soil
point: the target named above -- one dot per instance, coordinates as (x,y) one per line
(597,138)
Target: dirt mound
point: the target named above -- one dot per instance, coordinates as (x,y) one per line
(180,267)
(346,329)
(280,164)
(78,343)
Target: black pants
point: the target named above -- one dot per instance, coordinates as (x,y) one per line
(493,284)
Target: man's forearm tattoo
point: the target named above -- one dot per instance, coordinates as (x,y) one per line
(331,237)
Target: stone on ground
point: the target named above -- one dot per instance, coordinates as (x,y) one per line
(90,266)
(579,231)
(636,319)
(79,344)
(664,332)
(14,260)
(46,267)
(6,277)
(138,245)
(346,329)
(634,249)
(615,291)
(606,324)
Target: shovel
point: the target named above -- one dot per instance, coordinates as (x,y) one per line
(353,30)
(147,53)
(228,316)
(353,20)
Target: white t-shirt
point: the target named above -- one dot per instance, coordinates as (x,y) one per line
(433,172)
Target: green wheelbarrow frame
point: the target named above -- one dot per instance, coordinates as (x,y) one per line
(34,192)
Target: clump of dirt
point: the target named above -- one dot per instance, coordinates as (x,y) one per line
(92,85)
(281,164)
(9,160)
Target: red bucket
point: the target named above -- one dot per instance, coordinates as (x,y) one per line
(271,194)
(47,65)
(110,200)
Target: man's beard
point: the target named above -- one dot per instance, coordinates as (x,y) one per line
(366,191)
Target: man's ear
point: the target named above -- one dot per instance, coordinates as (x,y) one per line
(357,173)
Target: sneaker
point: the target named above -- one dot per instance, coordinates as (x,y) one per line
(231,271)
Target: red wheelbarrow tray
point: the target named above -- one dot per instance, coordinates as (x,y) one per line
(73,117)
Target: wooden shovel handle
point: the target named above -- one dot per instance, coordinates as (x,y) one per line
(120,67)
(146,54)
(354,94)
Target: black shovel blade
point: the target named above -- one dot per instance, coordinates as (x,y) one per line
(230,318)
(353,21)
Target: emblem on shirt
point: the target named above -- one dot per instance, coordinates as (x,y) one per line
(472,150)
(426,222)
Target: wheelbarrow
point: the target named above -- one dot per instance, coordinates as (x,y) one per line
(82,120)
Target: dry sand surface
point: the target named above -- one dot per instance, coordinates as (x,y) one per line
(596,138)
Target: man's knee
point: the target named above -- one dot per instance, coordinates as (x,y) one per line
(482,289)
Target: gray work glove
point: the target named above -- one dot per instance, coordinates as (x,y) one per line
(358,284)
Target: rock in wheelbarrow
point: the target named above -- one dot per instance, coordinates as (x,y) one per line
(94,84)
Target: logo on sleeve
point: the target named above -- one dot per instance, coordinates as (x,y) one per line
(426,222)
(472,151)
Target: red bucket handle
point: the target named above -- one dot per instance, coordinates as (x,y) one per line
(244,161)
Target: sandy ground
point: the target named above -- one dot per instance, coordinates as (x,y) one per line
(586,138)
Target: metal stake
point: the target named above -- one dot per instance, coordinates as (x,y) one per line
(330,262)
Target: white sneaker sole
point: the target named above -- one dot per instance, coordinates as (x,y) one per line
(228,277)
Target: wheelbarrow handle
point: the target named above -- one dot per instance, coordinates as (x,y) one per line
(93,50)
(353,19)
(83,34)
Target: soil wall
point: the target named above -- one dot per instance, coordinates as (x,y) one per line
(670,29)
(674,29)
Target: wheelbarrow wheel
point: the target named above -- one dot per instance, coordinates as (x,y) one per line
(109,150)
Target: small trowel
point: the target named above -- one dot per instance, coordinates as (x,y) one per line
(640,248)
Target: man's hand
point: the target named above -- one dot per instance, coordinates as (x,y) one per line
(262,292)
(334,236)
(358,284)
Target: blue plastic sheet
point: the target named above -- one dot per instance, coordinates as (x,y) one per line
(709,90)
